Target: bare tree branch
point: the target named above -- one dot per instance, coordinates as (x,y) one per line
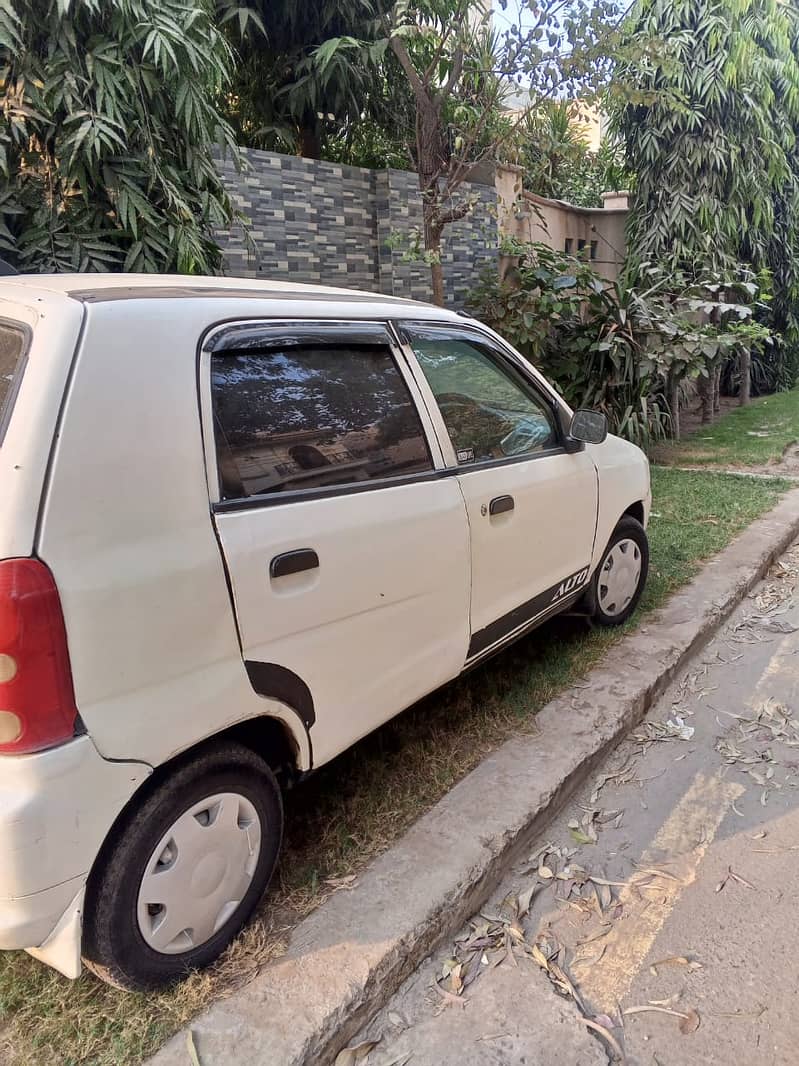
(411,73)
(455,73)
(445,36)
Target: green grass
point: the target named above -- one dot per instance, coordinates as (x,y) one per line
(357,805)
(755,435)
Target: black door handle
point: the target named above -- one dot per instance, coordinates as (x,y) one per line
(501,504)
(293,562)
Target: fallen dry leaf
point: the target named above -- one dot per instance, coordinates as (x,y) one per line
(655,871)
(446,996)
(690,1023)
(667,1002)
(741,880)
(350,1055)
(341,882)
(675,960)
(606,1035)
(525,899)
(685,1016)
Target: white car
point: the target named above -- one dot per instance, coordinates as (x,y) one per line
(241,525)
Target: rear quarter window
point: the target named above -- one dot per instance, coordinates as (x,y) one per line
(13,346)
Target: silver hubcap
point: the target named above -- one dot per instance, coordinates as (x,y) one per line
(198,875)
(619,577)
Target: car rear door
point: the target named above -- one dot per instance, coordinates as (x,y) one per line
(347,551)
(531,504)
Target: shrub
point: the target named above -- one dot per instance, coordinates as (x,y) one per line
(623,348)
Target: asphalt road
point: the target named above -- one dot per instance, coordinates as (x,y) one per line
(665,895)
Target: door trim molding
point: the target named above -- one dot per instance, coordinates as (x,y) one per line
(526,615)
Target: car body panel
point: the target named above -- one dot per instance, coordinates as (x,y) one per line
(623,472)
(155,657)
(545,539)
(382,620)
(108,475)
(56,808)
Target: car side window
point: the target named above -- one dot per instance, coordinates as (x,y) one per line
(12,358)
(306,416)
(489,411)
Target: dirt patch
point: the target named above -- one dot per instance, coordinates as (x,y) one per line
(691,416)
(788,465)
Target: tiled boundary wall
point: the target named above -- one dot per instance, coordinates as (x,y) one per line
(326,223)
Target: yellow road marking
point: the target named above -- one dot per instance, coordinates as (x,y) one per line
(683,840)
(784,664)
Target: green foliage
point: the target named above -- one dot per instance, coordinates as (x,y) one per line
(368,143)
(316,79)
(557,161)
(711,143)
(617,346)
(464,77)
(108,117)
(710,125)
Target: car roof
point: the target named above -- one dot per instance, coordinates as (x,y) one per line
(101,288)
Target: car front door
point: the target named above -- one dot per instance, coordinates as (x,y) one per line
(531,503)
(347,551)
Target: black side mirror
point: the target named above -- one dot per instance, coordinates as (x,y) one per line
(588,427)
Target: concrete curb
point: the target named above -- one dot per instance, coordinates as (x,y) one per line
(346,959)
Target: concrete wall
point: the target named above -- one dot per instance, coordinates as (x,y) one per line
(330,224)
(326,223)
(596,231)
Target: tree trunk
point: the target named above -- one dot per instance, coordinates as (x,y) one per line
(673,398)
(717,389)
(706,387)
(437,278)
(432,244)
(745,368)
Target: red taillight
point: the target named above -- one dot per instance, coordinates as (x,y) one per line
(37,704)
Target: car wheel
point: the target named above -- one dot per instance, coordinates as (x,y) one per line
(184,871)
(620,578)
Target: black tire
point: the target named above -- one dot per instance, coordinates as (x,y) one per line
(629,529)
(113,945)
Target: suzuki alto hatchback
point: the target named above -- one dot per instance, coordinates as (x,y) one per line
(241,525)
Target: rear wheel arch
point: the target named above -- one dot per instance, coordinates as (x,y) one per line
(115,944)
(269,737)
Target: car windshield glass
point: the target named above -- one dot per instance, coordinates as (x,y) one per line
(12,358)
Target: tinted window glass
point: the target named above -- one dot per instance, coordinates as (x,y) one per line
(489,412)
(308,417)
(12,348)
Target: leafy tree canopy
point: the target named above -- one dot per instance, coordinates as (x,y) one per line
(348,107)
(106,141)
(709,126)
(472,86)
